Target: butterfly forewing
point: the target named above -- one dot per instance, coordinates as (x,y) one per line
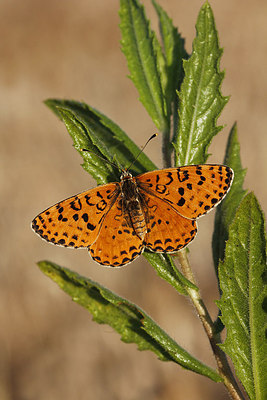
(192,191)
(75,222)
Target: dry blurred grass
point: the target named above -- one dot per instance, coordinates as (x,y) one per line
(50,349)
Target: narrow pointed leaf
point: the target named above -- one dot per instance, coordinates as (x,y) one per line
(145,60)
(166,269)
(226,210)
(180,356)
(174,52)
(102,135)
(97,167)
(132,323)
(201,101)
(243,303)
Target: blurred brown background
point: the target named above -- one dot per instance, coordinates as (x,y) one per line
(49,346)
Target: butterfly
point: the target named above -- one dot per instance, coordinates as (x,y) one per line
(156,210)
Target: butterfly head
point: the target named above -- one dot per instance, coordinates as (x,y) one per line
(125,175)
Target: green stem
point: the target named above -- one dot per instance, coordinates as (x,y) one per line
(166,149)
(175,120)
(214,338)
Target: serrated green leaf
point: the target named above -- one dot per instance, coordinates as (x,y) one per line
(201,101)
(226,210)
(102,136)
(145,60)
(243,303)
(132,323)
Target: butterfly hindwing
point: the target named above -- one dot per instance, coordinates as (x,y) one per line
(117,243)
(167,231)
(192,190)
(75,222)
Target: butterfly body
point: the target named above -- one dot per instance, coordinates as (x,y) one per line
(133,206)
(156,210)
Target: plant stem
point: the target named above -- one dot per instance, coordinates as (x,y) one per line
(166,149)
(214,338)
(175,120)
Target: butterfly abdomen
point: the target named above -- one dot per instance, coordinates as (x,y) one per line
(137,218)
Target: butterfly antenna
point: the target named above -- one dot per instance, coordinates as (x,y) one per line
(102,158)
(142,149)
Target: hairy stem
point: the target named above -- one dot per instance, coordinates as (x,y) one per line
(214,338)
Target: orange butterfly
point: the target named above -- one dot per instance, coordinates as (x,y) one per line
(156,210)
